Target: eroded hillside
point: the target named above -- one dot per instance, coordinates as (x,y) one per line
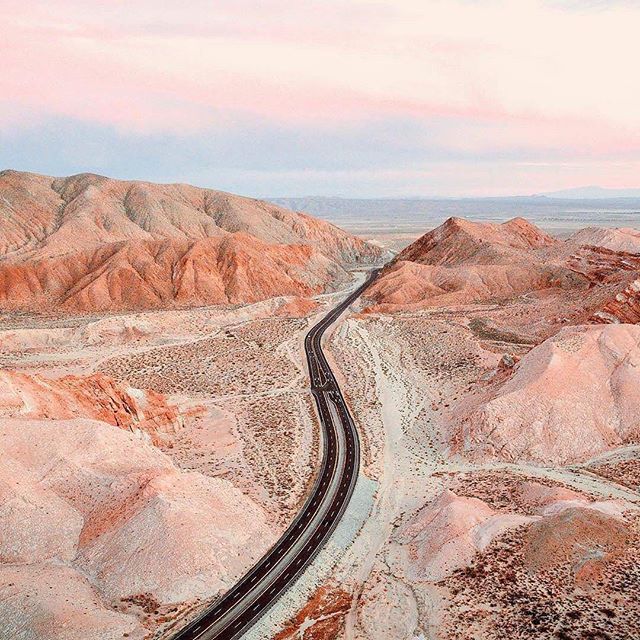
(88,243)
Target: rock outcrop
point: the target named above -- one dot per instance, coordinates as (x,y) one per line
(447,534)
(613,275)
(297,308)
(567,573)
(573,396)
(98,397)
(584,538)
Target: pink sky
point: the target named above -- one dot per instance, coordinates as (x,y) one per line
(527,82)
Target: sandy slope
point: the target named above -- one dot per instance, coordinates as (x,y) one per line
(572,397)
(115,509)
(149,458)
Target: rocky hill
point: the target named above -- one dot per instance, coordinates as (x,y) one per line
(623,240)
(572,397)
(591,276)
(89,243)
(458,241)
(463,262)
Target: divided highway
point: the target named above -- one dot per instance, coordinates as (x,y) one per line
(232,615)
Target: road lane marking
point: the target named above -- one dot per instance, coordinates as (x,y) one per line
(333,430)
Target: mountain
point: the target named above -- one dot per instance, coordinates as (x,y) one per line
(90,243)
(592,275)
(593,193)
(463,262)
(460,241)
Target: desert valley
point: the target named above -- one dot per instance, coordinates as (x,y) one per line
(159,435)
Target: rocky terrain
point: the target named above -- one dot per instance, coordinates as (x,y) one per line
(568,399)
(492,372)
(145,486)
(88,243)
(150,455)
(96,396)
(623,240)
(493,376)
(591,276)
(98,500)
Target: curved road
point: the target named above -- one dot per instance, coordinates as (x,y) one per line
(230,616)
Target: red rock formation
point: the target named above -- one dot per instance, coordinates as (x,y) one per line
(623,307)
(569,573)
(614,285)
(116,514)
(97,397)
(322,618)
(459,241)
(88,243)
(60,215)
(445,535)
(166,273)
(464,262)
(592,275)
(297,308)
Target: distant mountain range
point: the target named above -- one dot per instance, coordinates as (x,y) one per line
(593,193)
(552,211)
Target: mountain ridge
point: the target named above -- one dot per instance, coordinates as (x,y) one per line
(90,243)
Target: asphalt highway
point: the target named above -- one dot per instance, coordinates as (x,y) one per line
(234,613)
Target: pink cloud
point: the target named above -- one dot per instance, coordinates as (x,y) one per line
(151,68)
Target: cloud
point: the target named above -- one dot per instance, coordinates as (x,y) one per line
(260,158)
(333,85)
(163,67)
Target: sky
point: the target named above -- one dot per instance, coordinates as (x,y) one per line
(356,98)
